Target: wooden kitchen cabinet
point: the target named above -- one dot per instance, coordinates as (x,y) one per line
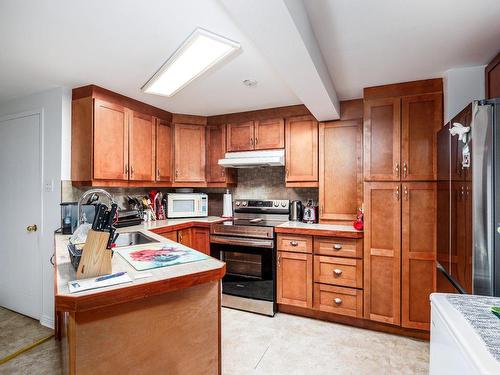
(200,239)
(301,151)
(269,134)
(110,139)
(240,136)
(382,126)
(340,172)
(142,131)
(172,235)
(382,252)
(189,153)
(216,148)
(164,150)
(418,252)
(422,117)
(185,237)
(295,279)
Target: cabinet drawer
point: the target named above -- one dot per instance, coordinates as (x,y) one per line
(338,246)
(338,300)
(297,244)
(338,271)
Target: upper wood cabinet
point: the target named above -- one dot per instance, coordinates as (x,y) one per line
(340,174)
(256,135)
(301,151)
(400,131)
(295,279)
(422,117)
(189,153)
(142,154)
(382,252)
(382,139)
(110,157)
(216,148)
(419,253)
(240,136)
(164,150)
(269,134)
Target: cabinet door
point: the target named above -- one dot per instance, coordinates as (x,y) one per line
(269,134)
(301,149)
(200,240)
(340,176)
(216,148)
(240,136)
(185,237)
(381,131)
(142,147)
(170,235)
(382,253)
(422,117)
(419,253)
(164,150)
(295,279)
(110,141)
(189,153)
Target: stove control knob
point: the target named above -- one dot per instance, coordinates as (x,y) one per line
(276,204)
(283,204)
(237,204)
(244,204)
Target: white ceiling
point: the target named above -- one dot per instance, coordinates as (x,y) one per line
(368,43)
(119,44)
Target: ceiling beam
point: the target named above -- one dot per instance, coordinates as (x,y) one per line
(281,31)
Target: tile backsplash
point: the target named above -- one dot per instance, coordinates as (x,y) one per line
(253,183)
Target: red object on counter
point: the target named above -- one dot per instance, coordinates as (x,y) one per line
(358,223)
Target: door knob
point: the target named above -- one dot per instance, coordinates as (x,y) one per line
(32,228)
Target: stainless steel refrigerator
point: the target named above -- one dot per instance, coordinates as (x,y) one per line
(468,231)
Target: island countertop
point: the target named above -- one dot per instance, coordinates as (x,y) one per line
(163,280)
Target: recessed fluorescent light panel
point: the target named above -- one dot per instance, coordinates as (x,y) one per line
(201,51)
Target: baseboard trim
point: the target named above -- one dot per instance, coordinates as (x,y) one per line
(47,321)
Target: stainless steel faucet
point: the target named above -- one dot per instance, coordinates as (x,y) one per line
(97,192)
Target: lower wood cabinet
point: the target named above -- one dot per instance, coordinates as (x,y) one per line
(338,300)
(338,271)
(295,279)
(170,235)
(200,239)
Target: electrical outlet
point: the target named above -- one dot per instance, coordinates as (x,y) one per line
(49,186)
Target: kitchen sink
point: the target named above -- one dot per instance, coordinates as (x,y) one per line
(133,238)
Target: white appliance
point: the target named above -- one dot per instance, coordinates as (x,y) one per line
(187,205)
(251,159)
(456,348)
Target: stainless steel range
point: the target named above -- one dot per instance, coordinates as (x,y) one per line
(248,246)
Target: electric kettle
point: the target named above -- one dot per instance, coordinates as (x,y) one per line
(296,211)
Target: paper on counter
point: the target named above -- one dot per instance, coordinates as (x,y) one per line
(91,283)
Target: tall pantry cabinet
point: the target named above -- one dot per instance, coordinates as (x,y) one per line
(400,126)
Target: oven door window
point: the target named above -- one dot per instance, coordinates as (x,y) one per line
(249,272)
(183,205)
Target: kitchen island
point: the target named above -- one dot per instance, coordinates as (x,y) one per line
(165,323)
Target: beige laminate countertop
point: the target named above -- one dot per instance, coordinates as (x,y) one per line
(297,227)
(163,279)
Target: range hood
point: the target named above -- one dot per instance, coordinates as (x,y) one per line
(251,159)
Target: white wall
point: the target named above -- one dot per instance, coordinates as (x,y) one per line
(461,86)
(56,112)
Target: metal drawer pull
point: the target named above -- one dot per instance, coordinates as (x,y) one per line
(337,246)
(337,301)
(337,272)
(294,243)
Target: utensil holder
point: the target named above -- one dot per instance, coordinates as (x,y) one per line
(96,258)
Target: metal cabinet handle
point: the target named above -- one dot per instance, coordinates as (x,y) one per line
(176,173)
(132,169)
(337,272)
(126,168)
(158,173)
(287,172)
(337,246)
(396,169)
(397,193)
(406,192)
(337,301)
(251,141)
(223,172)
(279,259)
(256,140)
(294,243)
(405,169)
(32,228)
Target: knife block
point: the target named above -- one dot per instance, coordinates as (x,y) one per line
(96,259)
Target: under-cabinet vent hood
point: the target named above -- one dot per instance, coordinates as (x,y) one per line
(251,159)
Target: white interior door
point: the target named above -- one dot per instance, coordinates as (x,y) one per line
(21,206)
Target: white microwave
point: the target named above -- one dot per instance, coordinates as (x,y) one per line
(187,205)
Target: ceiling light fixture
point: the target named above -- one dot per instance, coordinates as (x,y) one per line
(199,52)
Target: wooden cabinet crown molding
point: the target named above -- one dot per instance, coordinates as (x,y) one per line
(403,89)
(259,115)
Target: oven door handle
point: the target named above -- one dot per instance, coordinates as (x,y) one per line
(239,241)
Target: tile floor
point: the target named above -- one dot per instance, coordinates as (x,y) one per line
(259,345)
